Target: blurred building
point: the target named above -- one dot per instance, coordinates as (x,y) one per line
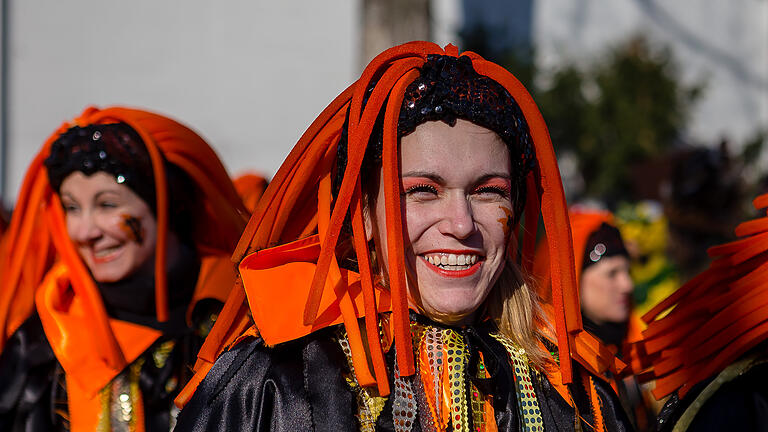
(250,76)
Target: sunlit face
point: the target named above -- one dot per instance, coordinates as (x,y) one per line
(113,229)
(456,208)
(606,290)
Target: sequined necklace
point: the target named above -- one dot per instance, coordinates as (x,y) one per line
(442,395)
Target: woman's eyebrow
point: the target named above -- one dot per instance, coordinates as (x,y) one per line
(430,175)
(492,175)
(106,192)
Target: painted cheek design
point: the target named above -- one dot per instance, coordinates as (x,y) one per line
(507,221)
(131,226)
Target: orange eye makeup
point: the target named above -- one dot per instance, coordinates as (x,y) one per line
(420,184)
(501,186)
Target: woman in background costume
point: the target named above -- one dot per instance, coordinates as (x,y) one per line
(93,337)
(381,290)
(605,290)
(708,353)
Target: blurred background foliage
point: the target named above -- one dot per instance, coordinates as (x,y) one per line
(613,114)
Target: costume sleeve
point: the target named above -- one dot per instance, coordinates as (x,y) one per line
(247,390)
(27,366)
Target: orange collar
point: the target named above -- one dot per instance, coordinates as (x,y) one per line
(69,331)
(277,283)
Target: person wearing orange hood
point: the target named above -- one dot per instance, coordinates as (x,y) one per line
(115,264)
(605,288)
(380,286)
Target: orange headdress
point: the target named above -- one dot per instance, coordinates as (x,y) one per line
(250,187)
(716,317)
(292,279)
(37,234)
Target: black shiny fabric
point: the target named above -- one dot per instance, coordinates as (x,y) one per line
(738,405)
(300,386)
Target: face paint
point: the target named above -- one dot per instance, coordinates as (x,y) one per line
(508,221)
(131,226)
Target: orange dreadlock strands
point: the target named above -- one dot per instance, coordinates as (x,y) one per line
(395,247)
(264,212)
(358,141)
(554,212)
(366,281)
(715,318)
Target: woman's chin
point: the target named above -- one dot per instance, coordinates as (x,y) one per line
(451,313)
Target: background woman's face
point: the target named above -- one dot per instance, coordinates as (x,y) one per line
(113,229)
(456,201)
(606,290)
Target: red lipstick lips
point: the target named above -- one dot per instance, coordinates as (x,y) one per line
(453,273)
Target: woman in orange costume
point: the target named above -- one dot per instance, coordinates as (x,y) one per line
(94,338)
(605,288)
(394,216)
(709,353)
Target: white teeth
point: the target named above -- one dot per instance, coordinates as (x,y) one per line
(452,260)
(104,252)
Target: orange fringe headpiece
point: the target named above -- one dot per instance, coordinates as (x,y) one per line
(37,234)
(298,202)
(715,318)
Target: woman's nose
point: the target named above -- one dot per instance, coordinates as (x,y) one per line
(457,220)
(626,283)
(83,228)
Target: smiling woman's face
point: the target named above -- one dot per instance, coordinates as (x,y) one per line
(113,229)
(456,201)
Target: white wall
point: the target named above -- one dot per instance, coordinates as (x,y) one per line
(248,75)
(722,43)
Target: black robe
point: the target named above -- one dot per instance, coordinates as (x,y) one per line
(300,386)
(738,405)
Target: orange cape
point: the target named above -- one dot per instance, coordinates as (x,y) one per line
(714,318)
(91,347)
(298,203)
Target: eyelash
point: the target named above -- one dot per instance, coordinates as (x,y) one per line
(501,191)
(421,188)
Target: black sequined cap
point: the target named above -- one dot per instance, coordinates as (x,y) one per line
(449,88)
(113,148)
(604,242)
